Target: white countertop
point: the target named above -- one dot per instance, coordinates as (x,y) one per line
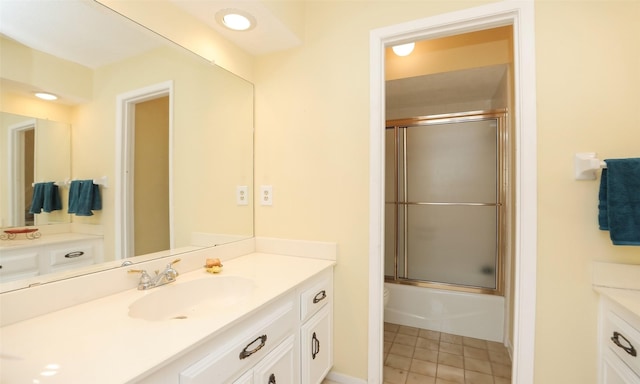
(619,282)
(97,342)
(628,298)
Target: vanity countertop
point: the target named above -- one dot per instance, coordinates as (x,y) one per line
(620,283)
(97,342)
(627,298)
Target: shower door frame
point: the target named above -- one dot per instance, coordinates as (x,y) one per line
(502,148)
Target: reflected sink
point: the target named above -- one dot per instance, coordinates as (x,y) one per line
(182,300)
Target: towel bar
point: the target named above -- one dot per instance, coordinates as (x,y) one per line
(586,164)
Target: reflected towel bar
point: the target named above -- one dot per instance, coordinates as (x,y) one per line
(586,164)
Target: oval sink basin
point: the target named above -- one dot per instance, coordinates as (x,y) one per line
(192,298)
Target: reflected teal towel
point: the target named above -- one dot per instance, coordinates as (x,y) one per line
(84,197)
(46,198)
(619,201)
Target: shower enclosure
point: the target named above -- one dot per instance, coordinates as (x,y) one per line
(445,192)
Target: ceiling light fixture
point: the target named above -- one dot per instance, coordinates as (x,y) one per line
(403,49)
(46,96)
(235,19)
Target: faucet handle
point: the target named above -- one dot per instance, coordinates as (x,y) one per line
(145,279)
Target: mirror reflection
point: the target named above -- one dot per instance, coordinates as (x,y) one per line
(37,151)
(168,134)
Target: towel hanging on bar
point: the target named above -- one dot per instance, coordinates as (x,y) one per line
(619,201)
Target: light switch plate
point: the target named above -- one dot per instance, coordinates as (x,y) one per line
(266,195)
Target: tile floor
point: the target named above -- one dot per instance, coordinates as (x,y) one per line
(419,356)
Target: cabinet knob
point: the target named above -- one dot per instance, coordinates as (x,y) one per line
(75,254)
(272,379)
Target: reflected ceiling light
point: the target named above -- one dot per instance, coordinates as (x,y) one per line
(235,19)
(46,96)
(403,49)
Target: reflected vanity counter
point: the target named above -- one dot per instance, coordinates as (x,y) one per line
(100,341)
(22,258)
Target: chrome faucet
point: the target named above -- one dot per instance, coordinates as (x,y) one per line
(167,276)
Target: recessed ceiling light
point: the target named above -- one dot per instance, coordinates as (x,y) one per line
(235,19)
(46,96)
(403,49)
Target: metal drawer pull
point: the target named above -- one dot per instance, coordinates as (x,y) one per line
(319,297)
(315,346)
(272,379)
(245,353)
(71,255)
(616,340)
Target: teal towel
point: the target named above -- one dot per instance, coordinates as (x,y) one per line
(619,201)
(46,198)
(84,197)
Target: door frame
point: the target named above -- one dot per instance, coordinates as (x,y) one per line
(15,160)
(125,143)
(521,16)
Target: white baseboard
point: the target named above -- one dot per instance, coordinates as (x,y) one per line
(344,379)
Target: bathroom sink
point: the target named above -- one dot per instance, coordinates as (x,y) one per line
(184,300)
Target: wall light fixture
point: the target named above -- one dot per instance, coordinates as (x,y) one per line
(403,49)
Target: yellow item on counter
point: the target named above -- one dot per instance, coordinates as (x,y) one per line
(214,269)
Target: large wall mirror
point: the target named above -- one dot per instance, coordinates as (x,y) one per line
(196,131)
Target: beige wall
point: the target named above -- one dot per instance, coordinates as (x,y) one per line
(588,79)
(312,120)
(312,145)
(212,141)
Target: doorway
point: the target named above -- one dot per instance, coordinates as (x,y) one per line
(520,16)
(143,169)
(151,177)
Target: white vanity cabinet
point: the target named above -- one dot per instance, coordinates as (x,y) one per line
(619,343)
(289,341)
(43,256)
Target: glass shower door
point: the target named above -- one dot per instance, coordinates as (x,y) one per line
(447,205)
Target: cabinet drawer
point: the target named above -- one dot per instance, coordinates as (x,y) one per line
(77,254)
(243,350)
(19,264)
(316,296)
(624,340)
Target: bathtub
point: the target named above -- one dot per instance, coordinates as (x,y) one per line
(460,313)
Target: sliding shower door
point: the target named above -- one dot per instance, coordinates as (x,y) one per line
(444,201)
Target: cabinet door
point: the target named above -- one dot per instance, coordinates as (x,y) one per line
(247,378)
(317,347)
(277,367)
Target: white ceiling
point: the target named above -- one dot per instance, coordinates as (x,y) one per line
(86,32)
(445,88)
(74,30)
(273,31)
